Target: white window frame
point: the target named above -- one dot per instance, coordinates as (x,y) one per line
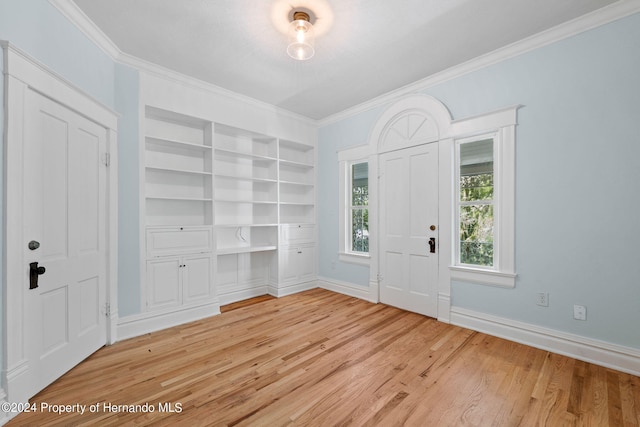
(346,159)
(494,202)
(500,126)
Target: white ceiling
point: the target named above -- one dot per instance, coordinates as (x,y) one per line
(364,48)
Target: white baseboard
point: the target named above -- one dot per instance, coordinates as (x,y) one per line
(444,308)
(284,290)
(625,359)
(346,288)
(140,324)
(231,297)
(621,358)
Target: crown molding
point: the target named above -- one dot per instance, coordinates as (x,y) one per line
(177,77)
(78,18)
(597,18)
(605,15)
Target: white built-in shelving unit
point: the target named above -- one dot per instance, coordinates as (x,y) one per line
(246,191)
(297,183)
(240,202)
(178,182)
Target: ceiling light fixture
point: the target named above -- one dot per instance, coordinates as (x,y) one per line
(300,37)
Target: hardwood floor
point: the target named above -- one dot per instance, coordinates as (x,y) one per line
(323,359)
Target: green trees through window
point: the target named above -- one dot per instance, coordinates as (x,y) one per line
(476,219)
(360,207)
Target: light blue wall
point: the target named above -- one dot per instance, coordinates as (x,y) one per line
(127,100)
(40,30)
(331,139)
(37,28)
(577,175)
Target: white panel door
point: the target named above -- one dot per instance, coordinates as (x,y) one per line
(64,211)
(408,210)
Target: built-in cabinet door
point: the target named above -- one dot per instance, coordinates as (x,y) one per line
(306,263)
(288,265)
(197,277)
(298,264)
(174,280)
(163,281)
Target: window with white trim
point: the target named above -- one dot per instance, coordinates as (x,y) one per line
(359,208)
(475,203)
(483,205)
(354,205)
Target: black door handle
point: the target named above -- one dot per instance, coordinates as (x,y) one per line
(432,245)
(34,272)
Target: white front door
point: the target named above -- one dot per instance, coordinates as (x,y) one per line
(408,220)
(64,212)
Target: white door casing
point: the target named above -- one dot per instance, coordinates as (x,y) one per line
(25,77)
(408,220)
(412,121)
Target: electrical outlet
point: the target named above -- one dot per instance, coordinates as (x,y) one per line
(580,312)
(542,299)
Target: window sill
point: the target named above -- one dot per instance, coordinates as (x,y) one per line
(484,277)
(352,258)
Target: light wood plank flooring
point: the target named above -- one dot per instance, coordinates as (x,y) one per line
(323,359)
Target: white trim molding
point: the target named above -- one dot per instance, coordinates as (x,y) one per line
(597,18)
(346,158)
(500,127)
(435,125)
(284,290)
(140,324)
(77,17)
(621,358)
(483,277)
(362,292)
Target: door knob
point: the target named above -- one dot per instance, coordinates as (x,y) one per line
(34,272)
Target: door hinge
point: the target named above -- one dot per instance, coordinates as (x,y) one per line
(107,309)
(106,159)
(379,277)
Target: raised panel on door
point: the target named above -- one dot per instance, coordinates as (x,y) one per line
(393,230)
(164,282)
(408,209)
(197,277)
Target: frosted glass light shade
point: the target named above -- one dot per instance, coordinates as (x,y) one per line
(301,38)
